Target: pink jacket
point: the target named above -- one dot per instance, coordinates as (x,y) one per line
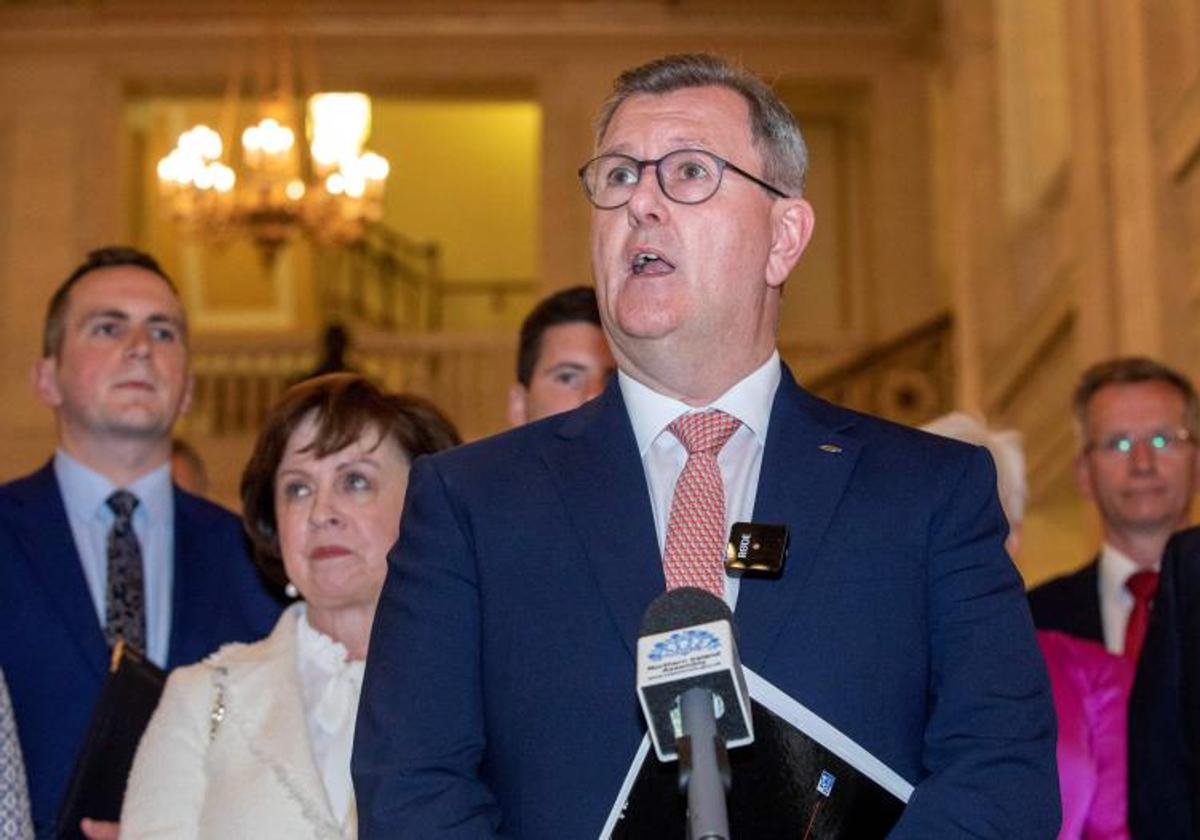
(1091,697)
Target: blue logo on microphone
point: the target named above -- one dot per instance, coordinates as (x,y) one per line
(825,783)
(684,643)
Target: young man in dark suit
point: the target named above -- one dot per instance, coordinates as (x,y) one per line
(1137,421)
(98,545)
(563,359)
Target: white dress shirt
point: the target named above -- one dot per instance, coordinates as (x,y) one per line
(1116,602)
(740,461)
(85,494)
(331,685)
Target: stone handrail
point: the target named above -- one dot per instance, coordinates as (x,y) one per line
(391,282)
(239,377)
(908,378)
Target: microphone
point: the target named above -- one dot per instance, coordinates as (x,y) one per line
(693,694)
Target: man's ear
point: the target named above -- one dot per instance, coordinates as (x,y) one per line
(792,223)
(189,391)
(1083,475)
(44,377)
(518,410)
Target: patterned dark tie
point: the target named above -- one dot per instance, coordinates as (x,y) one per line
(125,611)
(14,798)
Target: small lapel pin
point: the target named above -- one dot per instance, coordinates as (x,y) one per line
(829,447)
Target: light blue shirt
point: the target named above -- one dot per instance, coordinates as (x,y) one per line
(85,493)
(740,460)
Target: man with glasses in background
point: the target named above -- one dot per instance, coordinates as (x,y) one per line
(1137,421)
(499,694)
(1138,464)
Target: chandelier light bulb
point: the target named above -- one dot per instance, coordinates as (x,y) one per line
(294,190)
(180,167)
(335,184)
(374,167)
(276,138)
(201,141)
(168,169)
(325,153)
(223,178)
(251,139)
(338,125)
(356,185)
(205,179)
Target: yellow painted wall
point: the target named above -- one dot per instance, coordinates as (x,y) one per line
(466,175)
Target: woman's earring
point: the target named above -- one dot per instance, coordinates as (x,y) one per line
(291,591)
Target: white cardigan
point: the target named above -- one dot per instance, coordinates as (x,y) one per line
(227,753)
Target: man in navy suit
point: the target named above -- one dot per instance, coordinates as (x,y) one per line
(499,695)
(114,369)
(1137,422)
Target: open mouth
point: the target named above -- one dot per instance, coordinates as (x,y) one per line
(650,263)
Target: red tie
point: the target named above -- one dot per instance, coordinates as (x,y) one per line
(695,551)
(1143,585)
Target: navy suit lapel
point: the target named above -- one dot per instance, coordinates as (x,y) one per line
(594,460)
(806,466)
(49,547)
(189,587)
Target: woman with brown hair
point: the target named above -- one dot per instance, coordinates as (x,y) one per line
(255,741)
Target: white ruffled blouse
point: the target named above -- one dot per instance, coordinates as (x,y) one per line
(331,685)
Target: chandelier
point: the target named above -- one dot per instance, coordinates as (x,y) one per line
(267,187)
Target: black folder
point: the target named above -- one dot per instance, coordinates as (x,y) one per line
(799,779)
(126,703)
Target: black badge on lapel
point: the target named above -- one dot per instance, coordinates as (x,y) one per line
(756,549)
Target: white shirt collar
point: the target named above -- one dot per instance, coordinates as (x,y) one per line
(85,491)
(1115,569)
(1116,602)
(749,401)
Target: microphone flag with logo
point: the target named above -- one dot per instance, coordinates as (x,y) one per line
(686,641)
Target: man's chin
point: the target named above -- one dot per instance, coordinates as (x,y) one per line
(1154,522)
(140,426)
(647,326)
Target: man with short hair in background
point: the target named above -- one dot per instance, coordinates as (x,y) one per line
(499,694)
(563,359)
(1137,463)
(97,546)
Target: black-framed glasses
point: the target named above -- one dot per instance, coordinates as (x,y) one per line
(686,176)
(1161,441)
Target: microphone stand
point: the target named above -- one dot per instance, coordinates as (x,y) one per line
(703,767)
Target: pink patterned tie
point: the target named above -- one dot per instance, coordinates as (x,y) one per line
(696,539)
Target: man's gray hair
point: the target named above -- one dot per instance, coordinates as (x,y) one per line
(1132,370)
(772,126)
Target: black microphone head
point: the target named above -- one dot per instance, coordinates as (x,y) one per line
(683,607)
